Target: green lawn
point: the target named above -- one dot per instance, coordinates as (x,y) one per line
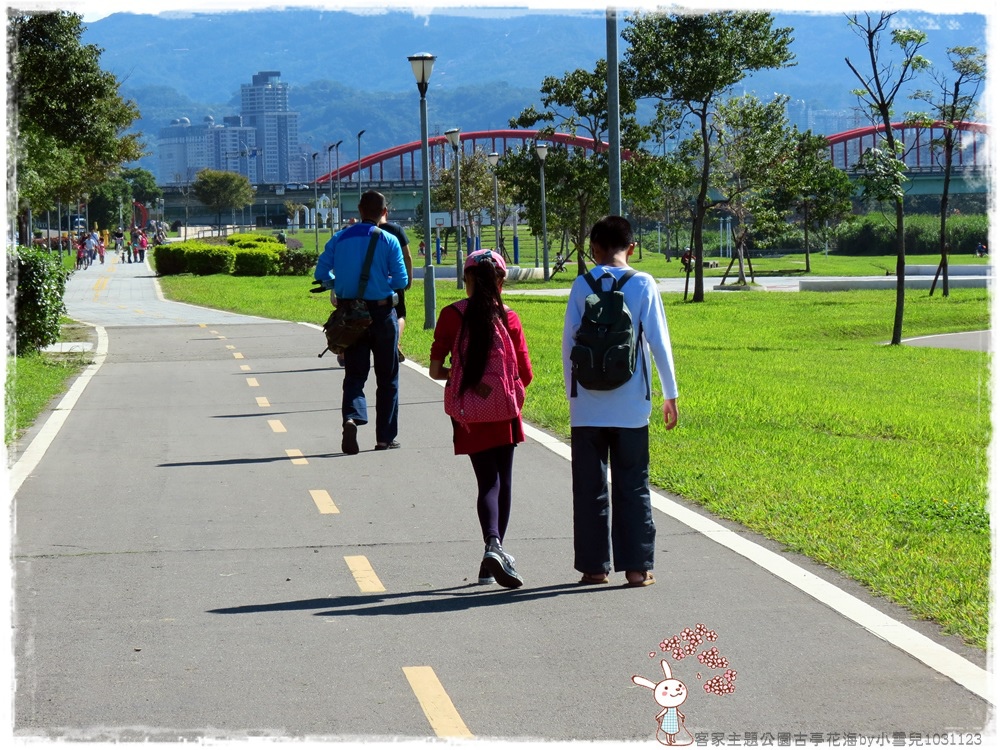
(31,384)
(795,420)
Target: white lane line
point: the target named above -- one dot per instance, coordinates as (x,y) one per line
(32,455)
(939,658)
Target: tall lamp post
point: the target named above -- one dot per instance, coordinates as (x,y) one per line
(543,150)
(340,211)
(329,168)
(359,165)
(315,201)
(494,159)
(422,65)
(454,138)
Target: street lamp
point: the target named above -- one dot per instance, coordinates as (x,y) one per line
(86,210)
(454,138)
(329,168)
(494,159)
(340,211)
(359,165)
(422,65)
(315,201)
(543,150)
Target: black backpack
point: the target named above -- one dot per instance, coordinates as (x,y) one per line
(606,345)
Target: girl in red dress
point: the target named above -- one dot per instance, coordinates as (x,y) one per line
(489,445)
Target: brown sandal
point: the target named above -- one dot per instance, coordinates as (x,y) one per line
(594,578)
(646,580)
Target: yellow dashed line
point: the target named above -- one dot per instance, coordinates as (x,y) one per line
(276,425)
(324,503)
(296,455)
(237,355)
(364,575)
(245,368)
(252,382)
(436,704)
(99,286)
(230,346)
(263,402)
(204,325)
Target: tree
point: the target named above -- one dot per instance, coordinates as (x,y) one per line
(221,190)
(883,168)
(130,185)
(688,61)
(752,141)
(70,118)
(811,187)
(954,100)
(577,104)
(476,181)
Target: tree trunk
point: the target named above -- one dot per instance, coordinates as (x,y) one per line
(701,209)
(897,323)
(949,146)
(805,227)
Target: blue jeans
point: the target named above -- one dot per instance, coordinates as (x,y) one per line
(378,343)
(625,525)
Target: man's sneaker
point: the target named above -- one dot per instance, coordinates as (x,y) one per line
(485,577)
(349,443)
(501,565)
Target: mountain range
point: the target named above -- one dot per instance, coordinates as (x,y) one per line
(348,71)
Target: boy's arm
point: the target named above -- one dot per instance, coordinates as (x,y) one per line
(657,335)
(571,323)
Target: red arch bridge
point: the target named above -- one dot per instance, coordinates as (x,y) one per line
(396,171)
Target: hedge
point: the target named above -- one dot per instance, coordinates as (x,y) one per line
(254,261)
(209,259)
(875,234)
(38,304)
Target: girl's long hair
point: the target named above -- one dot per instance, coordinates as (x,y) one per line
(476,337)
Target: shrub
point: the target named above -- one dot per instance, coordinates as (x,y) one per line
(252,239)
(169,259)
(875,234)
(255,261)
(204,260)
(38,303)
(294,261)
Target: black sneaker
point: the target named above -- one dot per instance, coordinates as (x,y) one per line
(485,577)
(501,565)
(387,446)
(349,443)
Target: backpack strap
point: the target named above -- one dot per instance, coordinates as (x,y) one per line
(367,265)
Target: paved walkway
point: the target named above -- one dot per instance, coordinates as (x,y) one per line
(195,558)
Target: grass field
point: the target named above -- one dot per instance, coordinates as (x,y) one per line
(795,421)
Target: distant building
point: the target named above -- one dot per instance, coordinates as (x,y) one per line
(264,107)
(262,142)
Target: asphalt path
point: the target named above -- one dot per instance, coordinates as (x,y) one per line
(194,558)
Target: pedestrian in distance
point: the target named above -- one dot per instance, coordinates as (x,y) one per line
(490,366)
(404,242)
(339,269)
(609,412)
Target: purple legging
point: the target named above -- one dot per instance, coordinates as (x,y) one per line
(494,468)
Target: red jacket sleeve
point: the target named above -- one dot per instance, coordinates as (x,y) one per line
(521,346)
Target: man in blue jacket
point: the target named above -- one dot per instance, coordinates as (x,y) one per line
(339,269)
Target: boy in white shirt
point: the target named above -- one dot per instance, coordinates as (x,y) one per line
(615,423)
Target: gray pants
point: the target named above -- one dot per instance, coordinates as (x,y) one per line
(625,525)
